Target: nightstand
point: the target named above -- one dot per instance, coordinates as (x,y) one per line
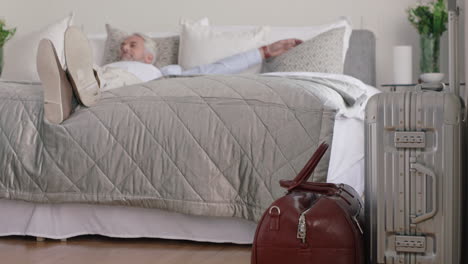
(395,87)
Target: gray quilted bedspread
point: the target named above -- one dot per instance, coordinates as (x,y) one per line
(207,145)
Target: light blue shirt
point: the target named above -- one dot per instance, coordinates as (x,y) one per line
(145,72)
(230,65)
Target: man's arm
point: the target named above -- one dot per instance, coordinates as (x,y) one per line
(236,63)
(230,65)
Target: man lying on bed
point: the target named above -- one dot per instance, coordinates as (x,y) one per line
(137,53)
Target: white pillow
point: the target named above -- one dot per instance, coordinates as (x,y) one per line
(201,45)
(204,21)
(304,33)
(20,53)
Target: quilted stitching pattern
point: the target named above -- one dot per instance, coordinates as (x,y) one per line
(211,145)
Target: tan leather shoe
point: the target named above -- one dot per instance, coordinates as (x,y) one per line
(79,60)
(57,89)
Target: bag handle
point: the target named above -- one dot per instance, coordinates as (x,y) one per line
(316,187)
(305,173)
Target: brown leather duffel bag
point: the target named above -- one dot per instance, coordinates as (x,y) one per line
(314,223)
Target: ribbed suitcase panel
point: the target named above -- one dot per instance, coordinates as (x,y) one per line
(399,189)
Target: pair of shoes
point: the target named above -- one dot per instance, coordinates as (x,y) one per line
(58,89)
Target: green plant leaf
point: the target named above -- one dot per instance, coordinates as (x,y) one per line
(429,18)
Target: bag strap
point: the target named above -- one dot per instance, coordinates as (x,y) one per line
(305,173)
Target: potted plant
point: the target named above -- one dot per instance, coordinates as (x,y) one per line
(430,19)
(5,35)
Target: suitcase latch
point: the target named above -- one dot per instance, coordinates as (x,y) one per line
(410,139)
(413,244)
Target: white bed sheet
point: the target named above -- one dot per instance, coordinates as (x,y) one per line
(59,221)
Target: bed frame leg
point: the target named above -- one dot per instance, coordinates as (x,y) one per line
(40,239)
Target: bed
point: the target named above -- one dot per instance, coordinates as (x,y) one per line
(333,115)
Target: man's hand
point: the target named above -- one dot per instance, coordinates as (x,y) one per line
(279,47)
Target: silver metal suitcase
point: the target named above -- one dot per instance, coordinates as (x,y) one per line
(413,195)
(415,151)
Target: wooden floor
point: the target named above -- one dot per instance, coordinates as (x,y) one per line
(102,250)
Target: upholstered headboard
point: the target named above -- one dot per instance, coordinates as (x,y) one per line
(360,59)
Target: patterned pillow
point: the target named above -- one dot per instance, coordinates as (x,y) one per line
(167,51)
(323,53)
(167,48)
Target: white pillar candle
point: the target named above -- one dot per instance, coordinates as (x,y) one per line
(402,65)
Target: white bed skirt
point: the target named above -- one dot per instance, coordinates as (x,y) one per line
(58,221)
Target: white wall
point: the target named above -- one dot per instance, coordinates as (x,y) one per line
(386,18)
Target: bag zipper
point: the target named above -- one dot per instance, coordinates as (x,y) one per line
(302,226)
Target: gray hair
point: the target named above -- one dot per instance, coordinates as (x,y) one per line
(150,45)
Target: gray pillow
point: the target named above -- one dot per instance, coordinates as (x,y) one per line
(323,53)
(167,48)
(112,45)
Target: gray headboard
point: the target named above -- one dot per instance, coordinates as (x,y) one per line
(360,59)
